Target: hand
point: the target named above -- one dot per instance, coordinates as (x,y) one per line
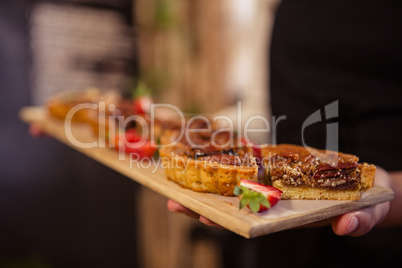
(356,223)
(176,207)
(36,131)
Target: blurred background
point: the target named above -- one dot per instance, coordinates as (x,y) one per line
(60,209)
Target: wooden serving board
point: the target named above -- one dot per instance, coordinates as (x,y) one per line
(220,209)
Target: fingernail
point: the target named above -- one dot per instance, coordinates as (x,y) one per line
(203,220)
(354,222)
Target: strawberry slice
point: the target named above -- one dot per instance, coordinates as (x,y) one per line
(256,196)
(128,143)
(142,99)
(142,105)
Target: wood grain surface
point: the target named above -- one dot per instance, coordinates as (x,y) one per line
(220,209)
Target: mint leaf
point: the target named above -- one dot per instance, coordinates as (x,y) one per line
(263,201)
(237,191)
(243,202)
(254,205)
(251,198)
(245,190)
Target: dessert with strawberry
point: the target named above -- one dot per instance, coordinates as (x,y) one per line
(256,196)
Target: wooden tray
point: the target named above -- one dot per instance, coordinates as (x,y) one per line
(222,210)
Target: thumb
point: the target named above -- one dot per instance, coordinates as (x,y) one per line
(360,222)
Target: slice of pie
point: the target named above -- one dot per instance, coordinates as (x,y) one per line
(308,173)
(209,168)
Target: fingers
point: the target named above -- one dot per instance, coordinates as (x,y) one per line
(209,222)
(353,224)
(176,207)
(36,131)
(360,222)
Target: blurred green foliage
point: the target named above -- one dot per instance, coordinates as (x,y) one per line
(164,17)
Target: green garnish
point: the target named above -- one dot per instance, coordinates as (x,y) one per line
(251,198)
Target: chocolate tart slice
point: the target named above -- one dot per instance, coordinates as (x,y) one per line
(209,169)
(308,173)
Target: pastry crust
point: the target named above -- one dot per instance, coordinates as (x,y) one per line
(205,176)
(59,109)
(367,175)
(300,192)
(61,104)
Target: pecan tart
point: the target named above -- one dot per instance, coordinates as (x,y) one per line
(308,173)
